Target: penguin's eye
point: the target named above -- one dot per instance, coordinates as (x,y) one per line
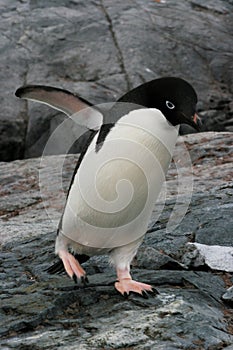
(170,105)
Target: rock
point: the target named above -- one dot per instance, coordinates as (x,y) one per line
(216,257)
(228,296)
(216,120)
(149,256)
(42,311)
(12,139)
(100,50)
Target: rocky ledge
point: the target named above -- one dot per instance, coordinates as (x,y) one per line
(101,49)
(194,307)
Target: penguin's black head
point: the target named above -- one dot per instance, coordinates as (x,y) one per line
(174,97)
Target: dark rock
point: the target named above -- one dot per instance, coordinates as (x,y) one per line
(12,139)
(41,311)
(101,49)
(228,296)
(216,120)
(149,256)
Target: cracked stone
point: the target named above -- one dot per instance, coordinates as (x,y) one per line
(119,45)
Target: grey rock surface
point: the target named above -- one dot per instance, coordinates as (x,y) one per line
(228,296)
(100,49)
(194,307)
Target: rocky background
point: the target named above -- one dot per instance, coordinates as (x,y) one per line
(191,266)
(100,49)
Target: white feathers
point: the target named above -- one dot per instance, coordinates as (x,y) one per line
(115,189)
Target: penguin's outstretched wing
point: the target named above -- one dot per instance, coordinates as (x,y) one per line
(64,101)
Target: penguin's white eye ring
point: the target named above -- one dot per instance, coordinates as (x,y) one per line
(170,105)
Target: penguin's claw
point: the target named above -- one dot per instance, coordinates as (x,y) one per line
(153,292)
(75,279)
(84,280)
(145,294)
(125,286)
(72,267)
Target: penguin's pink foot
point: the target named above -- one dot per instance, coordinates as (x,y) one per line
(72,267)
(125,286)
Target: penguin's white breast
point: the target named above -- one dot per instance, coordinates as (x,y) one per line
(115,188)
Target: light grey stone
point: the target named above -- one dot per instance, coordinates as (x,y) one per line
(100,49)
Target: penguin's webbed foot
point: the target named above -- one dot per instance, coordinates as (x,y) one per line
(72,267)
(125,286)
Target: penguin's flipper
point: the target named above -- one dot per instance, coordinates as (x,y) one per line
(64,101)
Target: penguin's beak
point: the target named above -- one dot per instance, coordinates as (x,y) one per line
(194,121)
(197,122)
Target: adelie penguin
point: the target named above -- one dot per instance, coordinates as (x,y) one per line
(120,173)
